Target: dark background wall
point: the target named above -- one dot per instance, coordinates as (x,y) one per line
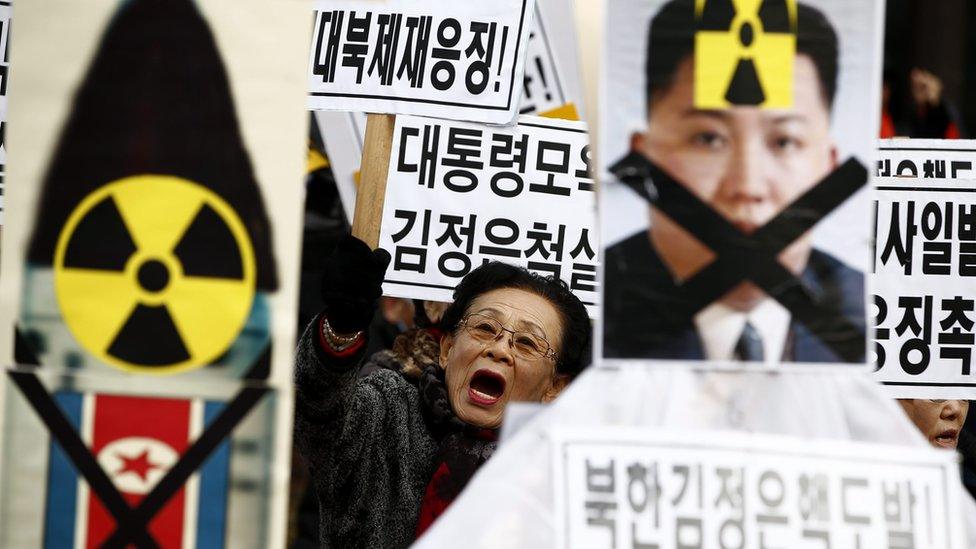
(939,36)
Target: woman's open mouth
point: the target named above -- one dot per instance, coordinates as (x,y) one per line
(486,387)
(948,438)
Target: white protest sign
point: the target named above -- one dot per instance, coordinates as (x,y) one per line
(551,78)
(622,488)
(551,85)
(927,158)
(461,194)
(424,57)
(343,134)
(925,287)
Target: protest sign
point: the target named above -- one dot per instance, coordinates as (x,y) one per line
(149,247)
(461,194)
(552,80)
(551,86)
(627,487)
(924,284)
(54,495)
(821,410)
(343,134)
(158,260)
(736,140)
(927,158)
(427,57)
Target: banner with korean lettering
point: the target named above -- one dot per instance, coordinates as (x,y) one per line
(551,86)
(627,487)
(927,158)
(925,287)
(460,194)
(424,57)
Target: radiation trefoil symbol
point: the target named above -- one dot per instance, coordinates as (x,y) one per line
(744,53)
(154,274)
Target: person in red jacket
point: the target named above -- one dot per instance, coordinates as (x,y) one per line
(930,116)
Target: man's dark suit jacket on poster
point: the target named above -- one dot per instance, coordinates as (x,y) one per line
(640,304)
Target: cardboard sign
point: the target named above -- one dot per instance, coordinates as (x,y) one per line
(625,487)
(927,158)
(736,144)
(429,57)
(551,86)
(460,194)
(924,285)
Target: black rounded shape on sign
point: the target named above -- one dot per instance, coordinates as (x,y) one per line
(153,276)
(746,34)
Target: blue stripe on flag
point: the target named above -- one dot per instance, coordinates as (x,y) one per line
(212,506)
(62,482)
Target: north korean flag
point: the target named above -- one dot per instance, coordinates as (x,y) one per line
(136,441)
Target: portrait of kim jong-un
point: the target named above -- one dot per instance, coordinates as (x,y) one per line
(735,136)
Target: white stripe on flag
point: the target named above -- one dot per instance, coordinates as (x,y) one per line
(192,497)
(81,504)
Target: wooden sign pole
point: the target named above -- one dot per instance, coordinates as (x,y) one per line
(375,166)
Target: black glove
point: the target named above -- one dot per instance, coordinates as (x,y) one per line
(352,283)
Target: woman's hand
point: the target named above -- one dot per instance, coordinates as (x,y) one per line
(352,283)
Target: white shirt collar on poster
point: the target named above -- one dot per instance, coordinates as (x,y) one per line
(720,327)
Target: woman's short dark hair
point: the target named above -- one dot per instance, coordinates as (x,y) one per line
(575,352)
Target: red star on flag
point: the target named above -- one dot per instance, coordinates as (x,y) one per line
(139,465)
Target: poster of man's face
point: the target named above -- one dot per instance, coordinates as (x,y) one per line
(735,140)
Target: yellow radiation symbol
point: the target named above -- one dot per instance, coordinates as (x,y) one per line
(744,52)
(154,274)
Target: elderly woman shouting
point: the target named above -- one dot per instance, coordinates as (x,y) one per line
(388,455)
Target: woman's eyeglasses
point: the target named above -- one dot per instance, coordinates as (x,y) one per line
(526,345)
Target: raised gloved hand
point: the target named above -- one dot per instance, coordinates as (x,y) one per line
(352,284)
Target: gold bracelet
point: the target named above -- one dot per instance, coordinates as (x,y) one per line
(338,342)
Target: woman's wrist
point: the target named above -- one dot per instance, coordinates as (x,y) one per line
(338,342)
